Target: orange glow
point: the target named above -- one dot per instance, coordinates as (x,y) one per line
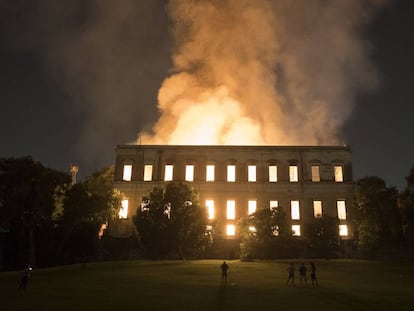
(252,204)
(341,209)
(210,173)
(127,173)
(210,208)
(231,230)
(189,173)
(343,230)
(231,209)
(231,173)
(123,212)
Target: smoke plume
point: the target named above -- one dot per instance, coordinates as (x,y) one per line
(264,72)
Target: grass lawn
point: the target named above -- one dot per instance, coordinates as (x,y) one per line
(195,285)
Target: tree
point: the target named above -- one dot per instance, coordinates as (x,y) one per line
(171,220)
(407,211)
(322,236)
(27,191)
(265,234)
(379,230)
(86,207)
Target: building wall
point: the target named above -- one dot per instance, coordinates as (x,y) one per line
(326,190)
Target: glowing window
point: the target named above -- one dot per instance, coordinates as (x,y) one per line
(296,230)
(315,173)
(231,230)
(231,173)
(123,212)
(252,229)
(317,209)
(251,173)
(294,210)
(210,208)
(102,229)
(189,173)
(147,172)
(339,177)
(231,209)
(210,173)
(272,173)
(168,174)
(341,210)
(293,173)
(343,230)
(273,204)
(127,173)
(251,209)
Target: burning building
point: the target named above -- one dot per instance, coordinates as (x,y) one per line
(235,181)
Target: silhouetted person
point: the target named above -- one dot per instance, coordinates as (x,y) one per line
(291,274)
(302,274)
(313,274)
(224,267)
(25,277)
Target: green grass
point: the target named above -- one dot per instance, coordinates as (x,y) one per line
(195,285)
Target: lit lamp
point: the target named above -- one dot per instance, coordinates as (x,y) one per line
(74,170)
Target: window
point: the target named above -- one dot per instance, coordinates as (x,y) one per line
(315,173)
(147,172)
(189,173)
(293,173)
(210,173)
(123,212)
(252,229)
(339,177)
(272,173)
(168,174)
(273,204)
(127,173)
(343,230)
(251,173)
(251,209)
(341,210)
(210,208)
(231,173)
(317,209)
(294,210)
(231,209)
(296,230)
(231,230)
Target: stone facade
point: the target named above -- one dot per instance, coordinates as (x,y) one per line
(304,180)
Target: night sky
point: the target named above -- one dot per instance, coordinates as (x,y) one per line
(61,111)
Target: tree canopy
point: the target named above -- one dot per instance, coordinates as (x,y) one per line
(379,229)
(171,222)
(407,212)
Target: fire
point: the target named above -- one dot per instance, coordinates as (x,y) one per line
(258,72)
(215,118)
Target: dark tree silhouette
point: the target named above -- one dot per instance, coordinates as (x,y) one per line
(407,211)
(379,230)
(171,221)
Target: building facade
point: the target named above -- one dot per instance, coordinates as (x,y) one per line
(234,181)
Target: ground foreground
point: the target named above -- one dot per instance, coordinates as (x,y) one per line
(195,285)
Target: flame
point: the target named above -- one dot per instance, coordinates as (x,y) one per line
(258,72)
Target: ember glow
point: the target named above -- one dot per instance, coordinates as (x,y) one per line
(263,72)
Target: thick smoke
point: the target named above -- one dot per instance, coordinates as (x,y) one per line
(264,72)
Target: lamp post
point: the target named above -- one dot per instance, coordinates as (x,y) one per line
(74,170)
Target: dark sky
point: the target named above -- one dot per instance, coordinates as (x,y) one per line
(49,102)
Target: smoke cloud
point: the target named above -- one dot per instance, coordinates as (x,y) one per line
(264,72)
(226,71)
